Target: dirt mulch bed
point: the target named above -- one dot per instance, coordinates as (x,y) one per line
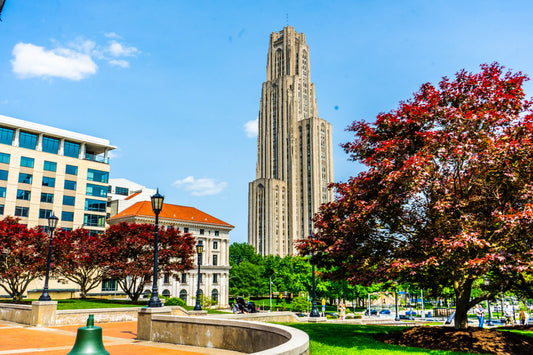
(471,340)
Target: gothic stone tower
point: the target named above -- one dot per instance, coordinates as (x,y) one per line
(294,151)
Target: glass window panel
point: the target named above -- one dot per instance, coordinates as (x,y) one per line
(25,178)
(97,175)
(95,205)
(23,195)
(50,166)
(4,158)
(27,162)
(48,198)
(72,149)
(21,211)
(49,181)
(27,140)
(69,200)
(122,191)
(45,213)
(2,192)
(93,220)
(6,136)
(96,190)
(1,209)
(67,216)
(72,170)
(70,185)
(50,145)
(3,174)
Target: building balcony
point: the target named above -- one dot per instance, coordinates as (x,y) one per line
(100,158)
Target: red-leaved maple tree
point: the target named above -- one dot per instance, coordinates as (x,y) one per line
(446,199)
(22,256)
(130,254)
(80,258)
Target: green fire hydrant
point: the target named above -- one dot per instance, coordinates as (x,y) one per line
(89,340)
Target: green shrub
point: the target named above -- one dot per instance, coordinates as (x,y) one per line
(300,304)
(175,301)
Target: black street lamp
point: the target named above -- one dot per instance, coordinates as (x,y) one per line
(397,318)
(314,310)
(157,206)
(52,224)
(489,323)
(199,251)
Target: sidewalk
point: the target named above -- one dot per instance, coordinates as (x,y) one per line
(119,338)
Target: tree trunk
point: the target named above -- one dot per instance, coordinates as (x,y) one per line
(462,304)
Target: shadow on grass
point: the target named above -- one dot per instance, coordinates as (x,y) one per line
(354,338)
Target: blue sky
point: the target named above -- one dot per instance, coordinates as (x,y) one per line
(175,85)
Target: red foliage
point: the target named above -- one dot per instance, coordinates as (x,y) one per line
(130,254)
(23,254)
(80,258)
(447,197)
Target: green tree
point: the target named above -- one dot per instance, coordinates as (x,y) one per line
(245,279)
(240,252)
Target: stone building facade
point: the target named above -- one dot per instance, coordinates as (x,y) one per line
(294,150)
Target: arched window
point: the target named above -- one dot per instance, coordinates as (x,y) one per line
(214,295)
(183,296)
(166,293)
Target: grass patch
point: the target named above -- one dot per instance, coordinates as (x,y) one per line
(91,303)
(348,339)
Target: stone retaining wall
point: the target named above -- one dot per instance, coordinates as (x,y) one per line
(236,335)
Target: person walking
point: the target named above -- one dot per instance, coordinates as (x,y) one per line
(480,313)
(509,314)
(522,317)
(343,311)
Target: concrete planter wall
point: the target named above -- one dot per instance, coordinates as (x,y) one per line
(242,336)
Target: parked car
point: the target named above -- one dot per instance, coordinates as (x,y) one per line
(410,313)
(373,312)
(384,311)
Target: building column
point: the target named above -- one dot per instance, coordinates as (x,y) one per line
(39,147)
(16,138)
(61,147)
(83,149)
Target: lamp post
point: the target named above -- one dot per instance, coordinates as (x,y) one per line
(157,206)
(397,318)
(199,251)
(489,323)
(314,310)
(52,224)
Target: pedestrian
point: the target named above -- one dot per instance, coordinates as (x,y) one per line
(343,311)
(509,314)
(522,317)
(480,313)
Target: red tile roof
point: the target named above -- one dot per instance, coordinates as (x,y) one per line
(132,196)
(182,213)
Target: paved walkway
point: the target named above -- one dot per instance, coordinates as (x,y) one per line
(119,338)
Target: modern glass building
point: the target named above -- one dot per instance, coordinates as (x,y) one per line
(45,170)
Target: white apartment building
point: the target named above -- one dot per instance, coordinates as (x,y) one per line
(45,170)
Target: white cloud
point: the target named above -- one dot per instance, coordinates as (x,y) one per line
(112,35)
(118,50)
(120,63)
(251,128)
(200,187)
(34,61)
(75,61)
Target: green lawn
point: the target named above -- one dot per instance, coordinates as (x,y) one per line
(94,303)
(340,339)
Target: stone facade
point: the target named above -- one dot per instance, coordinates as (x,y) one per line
(294,151)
